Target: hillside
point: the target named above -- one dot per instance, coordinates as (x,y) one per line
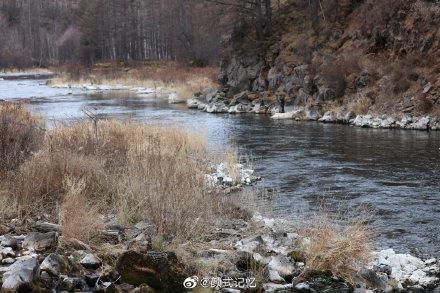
(372,56)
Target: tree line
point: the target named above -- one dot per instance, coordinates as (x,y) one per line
(43,32)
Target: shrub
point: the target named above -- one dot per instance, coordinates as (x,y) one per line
(78,217)
(20,134)
(423,105)
(360,105)
(130,170)
(39,183)
(340,250)
(336,72)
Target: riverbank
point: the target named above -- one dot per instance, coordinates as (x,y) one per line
(100,250)
(174,80)
(214,101)
(240,254)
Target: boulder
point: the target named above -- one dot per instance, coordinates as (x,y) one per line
(9,241)
(327,117)
(7,252)
(406,268)
(90,261)
(161,271)
(40,242)
(217,107)
(323,283)
(241,98)
(147,227)
(240,108)
(259,108)
(250,244)
(421,123)
(282,116)
(363,120)
(312,114)
(20,276)
(173,98)
(54,264)
(209,95)
(193,103)
(282,266)
(405,121)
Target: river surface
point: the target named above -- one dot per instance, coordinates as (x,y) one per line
(395,173)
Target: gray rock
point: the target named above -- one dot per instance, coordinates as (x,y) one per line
(302,287)
(40,241)
(145,225)
(405,121)
(7,252)
(283,266)
(217,107)
(9,241)
(241,98)
(427,88)
(274,276)
(274,78)
(90,261)
(282,116)
(325,283)
(54,264)
(250,244)
(387,122)
(202,106)
(421,123)
(302,97)
(363,120)
(20,275)
(373,279)
(240,108)
(193,103)
(312,114)
(8,261)
(210,95)
(327,117)
(259,108)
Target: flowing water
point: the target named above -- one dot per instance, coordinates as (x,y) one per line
(396,173)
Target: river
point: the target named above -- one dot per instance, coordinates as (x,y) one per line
(395,173)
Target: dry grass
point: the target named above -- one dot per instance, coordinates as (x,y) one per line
(360,105)
(170,77)
(129,170)
(20,135)
(340,250)
(78,217)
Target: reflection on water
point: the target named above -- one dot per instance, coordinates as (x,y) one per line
(395,173)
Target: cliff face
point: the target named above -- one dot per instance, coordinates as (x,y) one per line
(371,56)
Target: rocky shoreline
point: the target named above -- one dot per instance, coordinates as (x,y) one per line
(213,101)
(255,254)
(216,102)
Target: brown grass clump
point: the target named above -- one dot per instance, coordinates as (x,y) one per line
(129,170)
(340,250)
(169,76)
(78,217)
(20,135)
(360,105)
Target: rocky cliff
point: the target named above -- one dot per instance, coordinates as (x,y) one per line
(341,57)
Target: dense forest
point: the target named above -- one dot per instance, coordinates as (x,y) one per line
(41,32)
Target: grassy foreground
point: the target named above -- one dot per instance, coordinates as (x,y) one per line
(84,176)
(76,172)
